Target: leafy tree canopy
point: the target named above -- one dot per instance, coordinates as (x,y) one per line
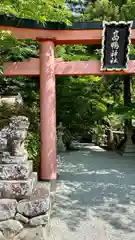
(40,10)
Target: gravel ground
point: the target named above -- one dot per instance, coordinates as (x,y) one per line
(95,197)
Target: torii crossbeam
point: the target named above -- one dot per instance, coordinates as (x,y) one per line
(77,68)
(48,67)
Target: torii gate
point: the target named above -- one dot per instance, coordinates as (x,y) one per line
(48,67)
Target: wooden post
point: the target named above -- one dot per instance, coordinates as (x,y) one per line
(47,111)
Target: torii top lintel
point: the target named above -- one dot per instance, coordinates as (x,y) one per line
(77,33)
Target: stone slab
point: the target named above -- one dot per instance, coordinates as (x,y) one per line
(38,202)
(38,233)
(129,150)
(2,236)
(7,209)
(10,228)
(21,218)
(38,221)
(33,208)
(42,190)
(6,158)
(17,171)
(18,189)
(128,154)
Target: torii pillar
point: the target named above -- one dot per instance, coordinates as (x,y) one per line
(47,110)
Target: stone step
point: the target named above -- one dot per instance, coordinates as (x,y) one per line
(130,147)
(18,171)
(128,154)
(18,189)
(129,150)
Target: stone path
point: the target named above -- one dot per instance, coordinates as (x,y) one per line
(95,197)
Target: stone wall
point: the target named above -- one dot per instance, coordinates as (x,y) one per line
(20,218)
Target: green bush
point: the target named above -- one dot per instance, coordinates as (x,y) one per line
(33,147)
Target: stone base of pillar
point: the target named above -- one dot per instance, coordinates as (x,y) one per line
(129,150)
(25,204)
(18,189)
(16,171)
(17,181)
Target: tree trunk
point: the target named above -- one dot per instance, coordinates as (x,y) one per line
(127,102)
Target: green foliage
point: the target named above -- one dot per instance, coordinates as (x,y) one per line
(33,146)
(79,104)
(102,10)
(40,10)
(72,52)
(110,10)
(128,11)
(7,41)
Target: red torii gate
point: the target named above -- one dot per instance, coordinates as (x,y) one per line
(47,67)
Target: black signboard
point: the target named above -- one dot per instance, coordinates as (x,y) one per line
(115,45)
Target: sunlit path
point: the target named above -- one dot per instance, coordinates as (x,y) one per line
(95,197)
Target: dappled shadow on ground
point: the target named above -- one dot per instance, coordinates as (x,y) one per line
(96,185)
